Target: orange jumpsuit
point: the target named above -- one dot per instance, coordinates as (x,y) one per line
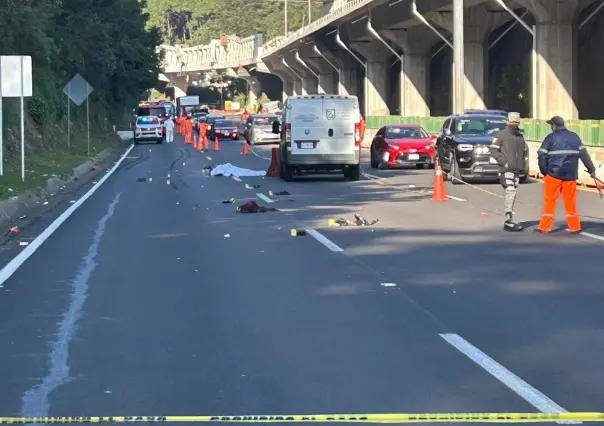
(203,135)
(188,128)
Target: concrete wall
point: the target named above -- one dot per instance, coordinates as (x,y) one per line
(597,155)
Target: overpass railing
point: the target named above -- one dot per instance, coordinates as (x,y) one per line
(215,55)
(347,7)
(590,131)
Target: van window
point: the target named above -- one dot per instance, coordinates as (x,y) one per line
(265,121)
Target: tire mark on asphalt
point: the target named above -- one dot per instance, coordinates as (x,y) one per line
(35,402)
(136,162)
(181,154)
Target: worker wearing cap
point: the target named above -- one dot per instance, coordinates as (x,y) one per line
(510,150)
(559,164)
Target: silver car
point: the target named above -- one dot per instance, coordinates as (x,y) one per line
(258,129)
(148,129)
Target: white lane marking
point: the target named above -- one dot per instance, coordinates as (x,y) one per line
(594,236)
(367,175)
(236,178)
(131,158)
(257,155)
(209,158)
(12,266)
(505,376)
(324,240)
(456,198)
(264,198)
(35,401)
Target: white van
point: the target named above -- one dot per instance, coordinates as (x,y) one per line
(320,132)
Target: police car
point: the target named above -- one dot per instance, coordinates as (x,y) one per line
(463,145)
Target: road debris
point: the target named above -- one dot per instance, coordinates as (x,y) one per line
(388,285)
(23,217)
(248,186)
(253,207)
(359,221)
(229,201)
(271,193)
(227,235)
(23,243)
(298,232)
(13,230)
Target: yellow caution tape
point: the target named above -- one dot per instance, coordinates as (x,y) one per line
(339,418)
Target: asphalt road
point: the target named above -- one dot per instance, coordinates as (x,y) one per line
(156,298)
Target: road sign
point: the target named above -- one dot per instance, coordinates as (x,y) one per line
(78,89)
(14,70)
(15,82)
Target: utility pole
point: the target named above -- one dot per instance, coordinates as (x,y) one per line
(309,13)
(459,76)
(285,18)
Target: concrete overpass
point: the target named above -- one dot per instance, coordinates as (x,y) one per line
(381,50)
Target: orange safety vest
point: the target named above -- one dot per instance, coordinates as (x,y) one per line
(362,129)
(188,126)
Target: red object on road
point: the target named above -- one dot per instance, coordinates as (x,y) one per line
(402,144)
(273,169)
(599,186)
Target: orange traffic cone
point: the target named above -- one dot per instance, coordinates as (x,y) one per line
(216,145)
(273,169)
(246,149)
(194,141)
(200,144)
(438,194)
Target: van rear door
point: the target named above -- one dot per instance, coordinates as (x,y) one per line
(307,125)
(340,116)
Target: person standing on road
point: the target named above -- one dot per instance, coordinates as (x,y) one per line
(169,123)
(510,150)
(559,164)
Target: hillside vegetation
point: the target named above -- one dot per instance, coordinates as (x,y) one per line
(199,21)
(108,42)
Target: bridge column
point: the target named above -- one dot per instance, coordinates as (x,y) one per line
(415,43)
(347,69)
(478,24)
(277,67)
(376,78)
(555,57)
(179,84)
(327,70)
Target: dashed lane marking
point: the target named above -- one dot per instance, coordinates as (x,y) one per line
(367,175)
(505,376)
(236,178)
(264,198)
(209,158)
(324,240)
(594,236)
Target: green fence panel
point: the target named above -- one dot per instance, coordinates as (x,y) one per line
(590,131)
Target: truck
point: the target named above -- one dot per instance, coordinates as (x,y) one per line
(186,105)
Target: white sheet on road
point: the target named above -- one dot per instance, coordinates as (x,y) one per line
(229,170)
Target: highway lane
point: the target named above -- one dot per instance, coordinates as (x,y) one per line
(157,298)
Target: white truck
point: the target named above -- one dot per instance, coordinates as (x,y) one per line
(186,105)
(320,133)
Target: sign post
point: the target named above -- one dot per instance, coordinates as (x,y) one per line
(15,82)
(77,90)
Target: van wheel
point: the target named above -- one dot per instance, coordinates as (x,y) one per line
(374,163)
(353,173)
(285,172)
(455,175)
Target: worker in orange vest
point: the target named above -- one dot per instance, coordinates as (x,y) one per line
(188,128)
(179,125)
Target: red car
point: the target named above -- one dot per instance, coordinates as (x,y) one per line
(402,145)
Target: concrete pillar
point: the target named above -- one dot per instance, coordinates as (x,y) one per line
(179,84)
(328,83)
(415,43)
(309,85)
(478,24)
(277,67)
(298,87)
(376,78)
(556,57)
(347,85)
(288,88)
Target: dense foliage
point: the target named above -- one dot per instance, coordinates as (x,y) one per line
(199,21)
(107,41)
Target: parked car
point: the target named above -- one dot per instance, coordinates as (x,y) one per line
(402,145)
(224,129)
(148,129)
(464,143)
(259,129)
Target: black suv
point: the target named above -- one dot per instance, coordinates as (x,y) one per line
(463,145)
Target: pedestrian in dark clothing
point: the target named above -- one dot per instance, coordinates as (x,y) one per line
(510,150)
(559,164)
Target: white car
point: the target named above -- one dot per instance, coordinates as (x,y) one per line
(148,129)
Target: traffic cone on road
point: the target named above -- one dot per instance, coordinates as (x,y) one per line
(216,144)
(246,149)
(438,194)
(273,169)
